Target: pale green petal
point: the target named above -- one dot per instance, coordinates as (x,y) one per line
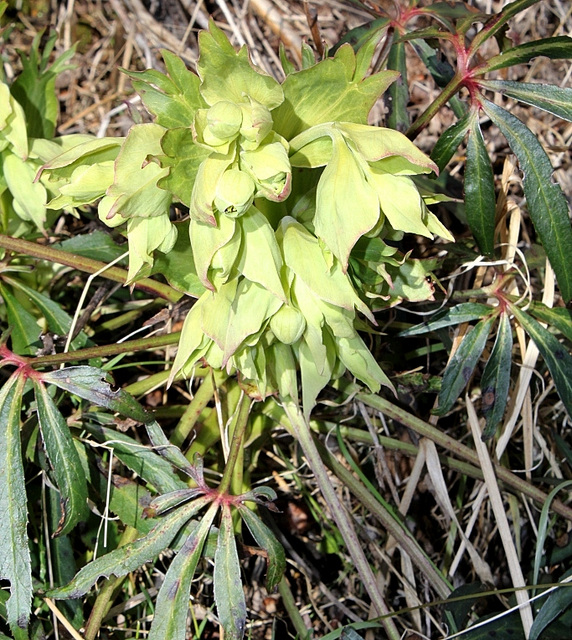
(206,240)
(29,197)
(283,366)
(145,235)
(234,193)
(358,359)
(87,184)
(13,123)
(204,189)
(270,167)
(288,324)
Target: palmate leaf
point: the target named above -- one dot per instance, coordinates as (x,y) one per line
(228,593)
(462,364)
(464,312)
(15,564)
(557,48)
(89,383)
(558,360)
(267,541)
(131,556)
(64,460)
(172,606)
(495,381)
(546,203)
(555,100)
(480,199)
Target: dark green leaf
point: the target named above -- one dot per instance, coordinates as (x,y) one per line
(449,142)
(169,451)
(556,603)
(464,312)
(461,366)
(15,564)
(398,93)
(267,541)
(558,360)
(555,100)
(167,501)
(498,21)
(97,245)
(441,71)
(546,202)
(130,557)
(89,383)
(172,607)
(559,318)
(228,593)
(495,381)
(25,329)
(480,202)
(358,36)
(64,459)
(147,464)
(557,48)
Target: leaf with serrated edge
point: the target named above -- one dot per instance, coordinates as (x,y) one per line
(228,593)
(89,383)
(461,366)
(547,205)
(555,48)
(15,564)
(464,312)
(558,360)
(555,100)
(480,202)
(64,460)
(267,541)
(172,606)
(495,381)
(130,557)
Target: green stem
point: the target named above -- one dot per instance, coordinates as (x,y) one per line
(238,429)
(292,610)
(88,265)
(108,350)
(104,597)
(300,429)
(423,120)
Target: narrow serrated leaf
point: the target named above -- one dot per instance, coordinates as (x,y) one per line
(559,318)
(266,540)
(15,563)
(497,21)
(547,205)
(64,460)
(558,360)
(449,142)
(89,383)
(125,559)
(462,364)
(172,606)
(464,312)
(555,100)
(169,451)
(557,48)
(495,381)
(480,202)
(228,593)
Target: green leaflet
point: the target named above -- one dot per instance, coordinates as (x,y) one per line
(555,100)
(265,539)
(480,201)
(15,564)
(172,606)
(546,202)
(558,360)
(130,557)
(495,381)
(30,197)
(449,142)
(560,318)
(462,364)
(64,460)
(559,47)
(552,608)
(25,330)
(464,312)
(398,92)
(228,592)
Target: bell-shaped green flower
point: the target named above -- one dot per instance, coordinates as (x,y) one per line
(287,324)
(234,193)
(215,128)
(256,124)
(270,168)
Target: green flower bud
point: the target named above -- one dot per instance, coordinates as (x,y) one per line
(270,168)
(288,325)
(218,126)
(234,193)
(256,124)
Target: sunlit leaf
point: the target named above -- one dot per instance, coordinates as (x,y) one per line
(495,381)
(557,48)
(547,205)
(15,563)
(559,317)
(228,592)
(480,201)
(64,460)
(462,364)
